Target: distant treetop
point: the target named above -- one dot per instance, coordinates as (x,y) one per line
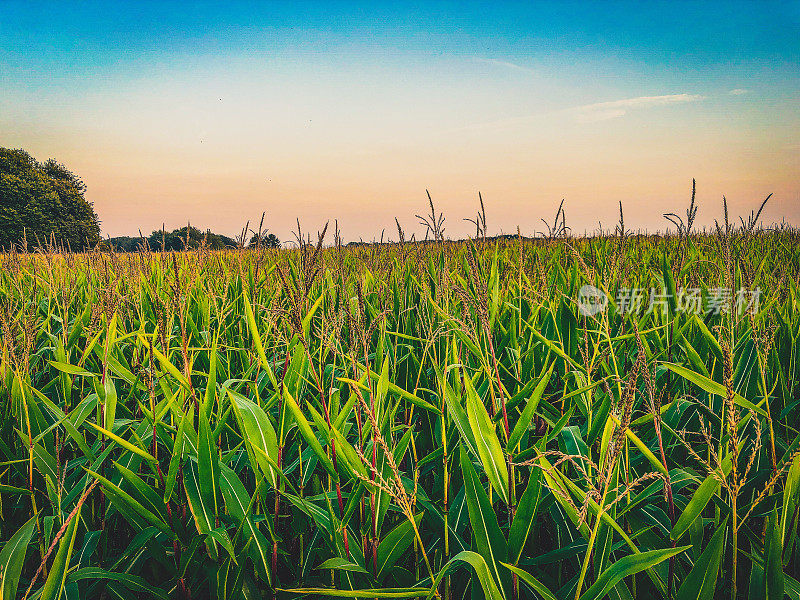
(187,238)
(183,238)
(268,240)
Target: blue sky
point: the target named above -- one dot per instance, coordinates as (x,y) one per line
(216,111)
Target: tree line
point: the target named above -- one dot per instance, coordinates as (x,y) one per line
(185,238)
(43,204)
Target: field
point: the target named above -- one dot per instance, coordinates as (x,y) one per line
(451,420)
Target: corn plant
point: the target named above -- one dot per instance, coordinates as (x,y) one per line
(416,420)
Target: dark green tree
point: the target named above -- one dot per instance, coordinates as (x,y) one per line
(188,238)
(123,243)
(268,240)
(40,202)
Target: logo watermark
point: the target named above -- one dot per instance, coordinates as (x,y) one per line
(592,300)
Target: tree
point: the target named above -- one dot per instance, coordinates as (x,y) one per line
(123,243)
(267,241)
(188,238)
(40,202)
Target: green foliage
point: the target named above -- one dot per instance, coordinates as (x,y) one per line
(43,203)
(267,240)
(188,238)
(399,421)
(183,238)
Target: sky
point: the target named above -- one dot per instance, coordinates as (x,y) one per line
(212,113)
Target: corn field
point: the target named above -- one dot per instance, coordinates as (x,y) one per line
(411,420)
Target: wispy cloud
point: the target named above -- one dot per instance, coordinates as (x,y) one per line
(603,111)
(738,92)
(588,113)
(504,64)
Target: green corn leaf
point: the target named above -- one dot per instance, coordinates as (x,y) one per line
(535,584)
(110,403)
(402,593)
(699,501)
(305,430)
(525,516)
(712,341)
(459,415)
(208,466)
(791,499)
(310,315)
(346,450)
(128,505)
(613,421)
(774,579)
(394,545)
(124,443)
(530,410)
(669,283)
(556,348)
(238,503)
(144,494)
(692,354)
(71,369)
(177,454)
(712,387)
(494,289)
(168,366)
(202,512)
(258,431)
(211,384)
(701,581)
(53,588)
(133,583)
(489,449)
(625,567)
(476,561)
(755,587)
(405,395)
(67,423)
(489,539)
(10,489)
(12,557)
(220,535)
(253,327)
(342,564)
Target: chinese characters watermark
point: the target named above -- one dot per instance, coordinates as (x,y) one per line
(716,301)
